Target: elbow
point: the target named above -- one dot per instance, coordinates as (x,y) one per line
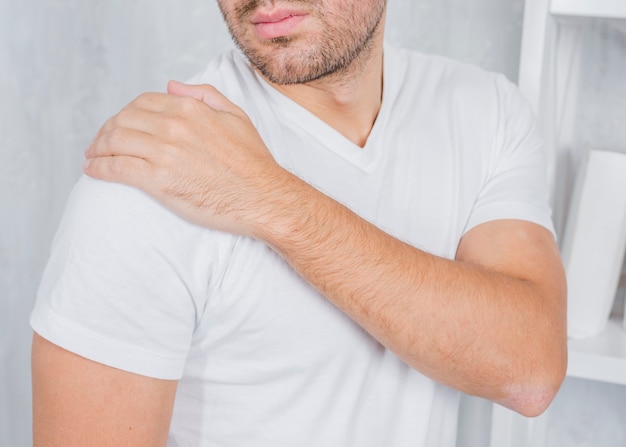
(531,402)
(531,396)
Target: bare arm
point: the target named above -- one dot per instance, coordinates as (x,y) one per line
(490,323)
(78,402)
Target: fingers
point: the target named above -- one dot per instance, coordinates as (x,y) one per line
(120,168)
(149,121)
(158,131)
(205,93)
(122,141)
(144,121)
(164,116)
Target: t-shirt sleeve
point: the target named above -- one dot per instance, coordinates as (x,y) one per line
(124,281)
(516,185)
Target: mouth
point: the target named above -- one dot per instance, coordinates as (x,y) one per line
(275,24)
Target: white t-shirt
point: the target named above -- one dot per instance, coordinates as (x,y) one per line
(263,359)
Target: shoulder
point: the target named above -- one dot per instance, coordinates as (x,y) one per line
(115,212)
(219,67)
(232,74)
(483,107)
(437,68)
(116,240)
(114,237)
(118,221)
(126,280)
(450,82)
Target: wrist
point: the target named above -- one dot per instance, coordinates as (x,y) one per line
(288,212)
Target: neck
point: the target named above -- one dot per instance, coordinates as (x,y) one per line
(348,101)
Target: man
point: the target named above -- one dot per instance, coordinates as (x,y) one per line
(359,238)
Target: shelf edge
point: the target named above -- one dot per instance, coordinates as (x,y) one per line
(609,9)
(597,367)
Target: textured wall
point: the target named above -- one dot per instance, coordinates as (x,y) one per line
(66,65)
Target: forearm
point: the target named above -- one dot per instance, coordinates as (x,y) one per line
(484,331)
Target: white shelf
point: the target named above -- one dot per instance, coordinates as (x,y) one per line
(602,357)
(590,8)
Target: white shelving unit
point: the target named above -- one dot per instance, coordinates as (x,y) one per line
(602,357)
(549,68)
(612,9)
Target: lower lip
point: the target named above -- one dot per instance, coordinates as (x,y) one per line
(274,30)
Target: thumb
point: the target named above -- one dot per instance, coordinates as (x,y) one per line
(203,92)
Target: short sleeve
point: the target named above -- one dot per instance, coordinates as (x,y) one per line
(124,282)
(517,183)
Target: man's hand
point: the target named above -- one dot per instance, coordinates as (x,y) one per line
(193,150)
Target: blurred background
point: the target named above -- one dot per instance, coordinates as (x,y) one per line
(67,65)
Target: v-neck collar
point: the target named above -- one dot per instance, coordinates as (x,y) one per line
(365,157)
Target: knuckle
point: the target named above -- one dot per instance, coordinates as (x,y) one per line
(114,137)
(173,127)
(180,129)
(189,106)
(143,100)
(117,167)
(112,125)
(120,117)
(108,125)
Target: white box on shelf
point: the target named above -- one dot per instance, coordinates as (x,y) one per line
(594,242)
